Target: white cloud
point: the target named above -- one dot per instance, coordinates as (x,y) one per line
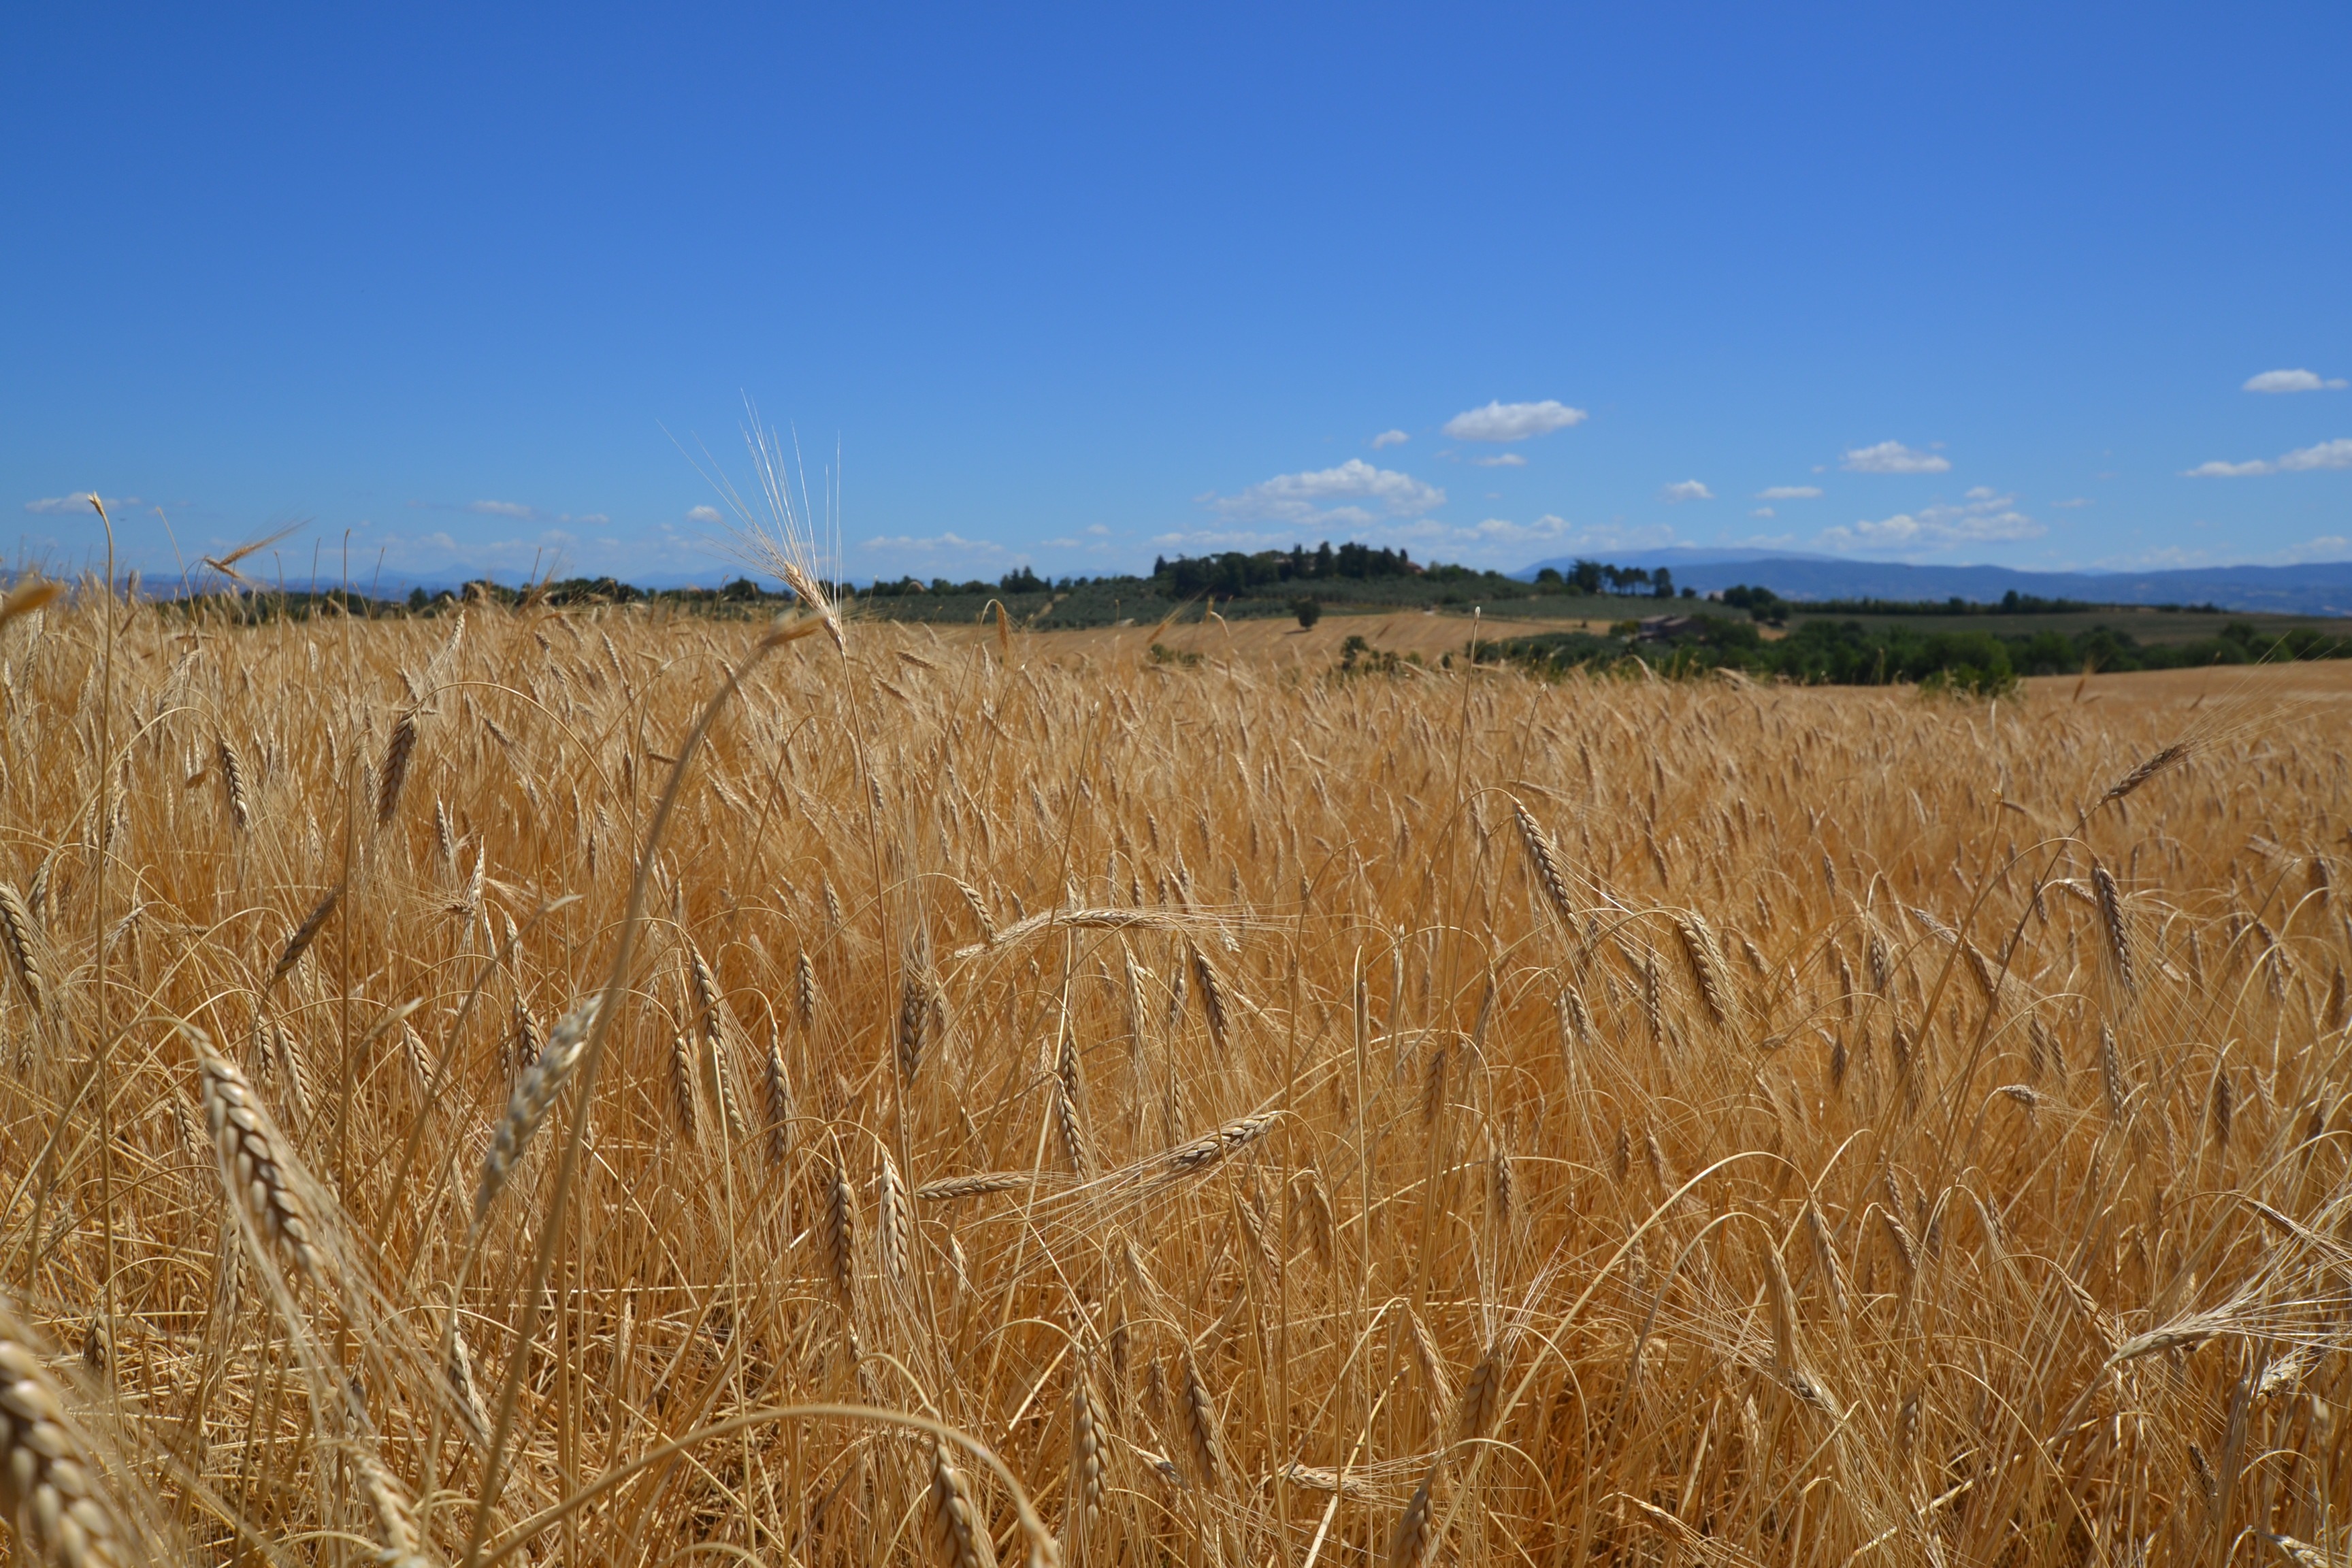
(2073,502)
(1501,460)
(1098,529)
(513,509)
(2335,454)
(1222,539)
(1985,518)
(1429,533)
(1513,421)
(948,546)
(49,506)
(2292,381)
(1302,497)
(1894,457)
(589,517)
(1790,492)
(2330,547)
(1763,511)
(1492,542)
(1390,438)
(1687,489)
(703,514)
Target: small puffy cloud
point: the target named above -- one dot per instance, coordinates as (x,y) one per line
(50,506)
(1984,518)
(2335,454)
(1306,498)
(1390,438)
(1513,421)
(1763,511)
(2072,502)
(1501,460)
(703,514)
(2292,381)
(1100,530)
(1790,492)
(592,516)
(1687,489)
(1894,457)
(513,509)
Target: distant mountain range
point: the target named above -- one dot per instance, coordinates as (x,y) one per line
(2318,588)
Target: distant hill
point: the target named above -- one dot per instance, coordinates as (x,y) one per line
(2320,588)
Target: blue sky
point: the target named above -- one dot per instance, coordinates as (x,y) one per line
(1079,287)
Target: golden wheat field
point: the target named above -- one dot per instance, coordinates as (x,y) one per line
(1047,1103)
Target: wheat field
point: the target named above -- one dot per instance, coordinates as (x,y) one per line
(576,1087)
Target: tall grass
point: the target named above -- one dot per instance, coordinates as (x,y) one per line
(977,1097)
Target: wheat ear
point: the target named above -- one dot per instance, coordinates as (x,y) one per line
(256,1169)
(394,777)
(1209,1148)
(232,770)
(837,1235)
(2118,933)
(959,1532)
(777,1090)
(1215,999)
(1085,1460)
(1704,957)
(305,934)
(534,1096)
(1544,861)
(396,1526)
(53,1497)
(17,929)
(1202,1431)
(805,993)
(1409,1545)
(894,1230)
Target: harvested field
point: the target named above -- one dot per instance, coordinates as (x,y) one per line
(1047,1101)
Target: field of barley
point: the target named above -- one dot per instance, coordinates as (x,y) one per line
(577,1087)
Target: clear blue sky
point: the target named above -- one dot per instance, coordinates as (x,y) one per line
(1079,287)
